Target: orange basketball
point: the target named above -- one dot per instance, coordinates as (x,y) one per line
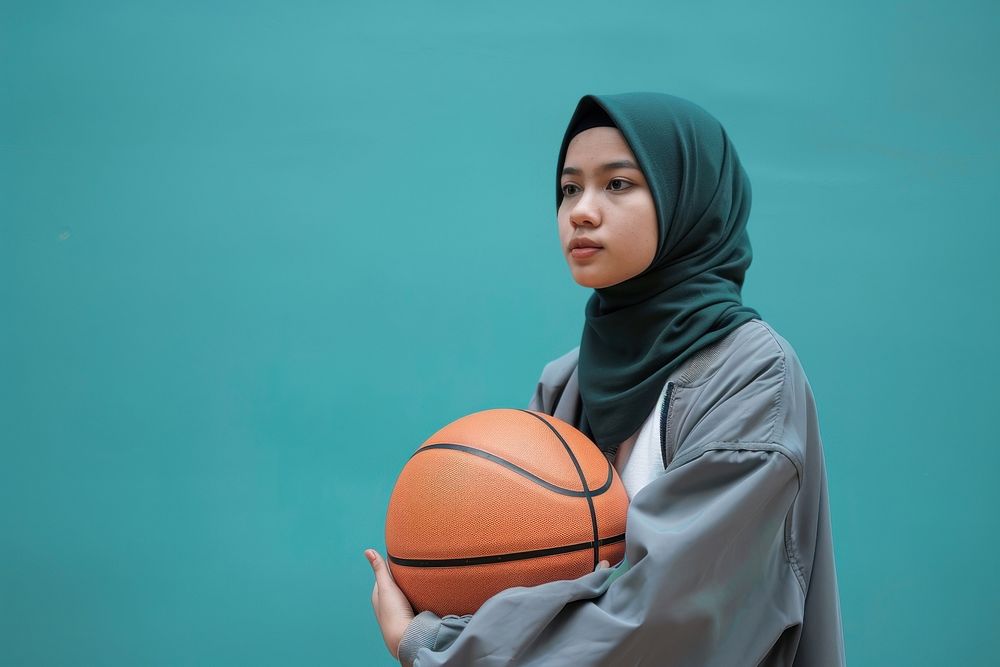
(501,498)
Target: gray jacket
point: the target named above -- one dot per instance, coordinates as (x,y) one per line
(729,556)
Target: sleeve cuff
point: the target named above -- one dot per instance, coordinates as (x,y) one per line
(420,633)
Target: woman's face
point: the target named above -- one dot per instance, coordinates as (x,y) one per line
(607,219)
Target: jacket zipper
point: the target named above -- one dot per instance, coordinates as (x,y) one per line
(664,420)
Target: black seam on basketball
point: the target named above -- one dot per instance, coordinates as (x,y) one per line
(502,558)
(583,480)
(519,470)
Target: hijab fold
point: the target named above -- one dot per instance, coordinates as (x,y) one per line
(639,331)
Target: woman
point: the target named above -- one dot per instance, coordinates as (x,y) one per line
(702,406)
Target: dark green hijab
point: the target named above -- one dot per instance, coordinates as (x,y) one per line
(638,331)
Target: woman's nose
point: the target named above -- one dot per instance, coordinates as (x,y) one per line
(585,210)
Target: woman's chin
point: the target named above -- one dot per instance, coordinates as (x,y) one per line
(591,280)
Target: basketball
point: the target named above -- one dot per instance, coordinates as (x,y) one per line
(497,499)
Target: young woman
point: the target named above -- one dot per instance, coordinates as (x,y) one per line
(702,406)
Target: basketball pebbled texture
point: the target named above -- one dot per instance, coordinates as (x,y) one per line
(497,499)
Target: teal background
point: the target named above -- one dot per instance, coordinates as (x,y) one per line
(252,254)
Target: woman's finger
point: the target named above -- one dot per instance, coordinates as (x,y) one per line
(379,567)
(392,609)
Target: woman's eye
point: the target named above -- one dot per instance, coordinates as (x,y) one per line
(569,189)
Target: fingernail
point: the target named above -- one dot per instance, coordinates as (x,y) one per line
(370,555)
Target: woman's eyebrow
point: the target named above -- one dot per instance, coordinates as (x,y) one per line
(618,164)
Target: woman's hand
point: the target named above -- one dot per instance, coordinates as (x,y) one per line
(392,610)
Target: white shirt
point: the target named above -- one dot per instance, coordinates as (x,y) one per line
(639,460)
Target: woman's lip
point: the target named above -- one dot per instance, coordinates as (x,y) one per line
(581,253)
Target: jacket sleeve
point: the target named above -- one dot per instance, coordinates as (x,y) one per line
(706,579)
